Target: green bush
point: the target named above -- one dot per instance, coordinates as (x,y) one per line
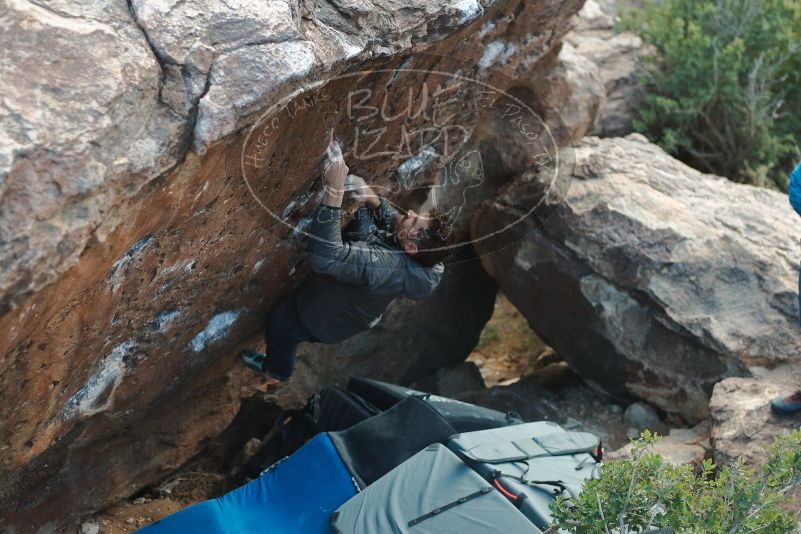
(646,492)
(723,90)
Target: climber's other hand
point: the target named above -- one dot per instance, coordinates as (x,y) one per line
(335,168)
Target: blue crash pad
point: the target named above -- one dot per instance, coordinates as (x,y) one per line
(296,495)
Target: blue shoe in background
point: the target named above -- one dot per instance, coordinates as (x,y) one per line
(795,189)
(787,405)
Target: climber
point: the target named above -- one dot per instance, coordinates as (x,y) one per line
(384,254)
(792,402)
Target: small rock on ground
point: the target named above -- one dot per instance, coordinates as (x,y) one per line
(641,416)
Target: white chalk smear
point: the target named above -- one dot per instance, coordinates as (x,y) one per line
(109,375)
(216,329)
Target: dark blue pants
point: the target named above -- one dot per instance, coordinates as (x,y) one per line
(285,331)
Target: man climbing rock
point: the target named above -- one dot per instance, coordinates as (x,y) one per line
(792,403)
(384,254)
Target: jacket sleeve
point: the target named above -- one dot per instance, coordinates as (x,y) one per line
(384,215)
(423,285)
(795,189)
(350,262)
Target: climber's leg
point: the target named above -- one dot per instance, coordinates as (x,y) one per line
(285,332)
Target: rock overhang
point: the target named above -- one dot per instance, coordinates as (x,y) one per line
(127,250)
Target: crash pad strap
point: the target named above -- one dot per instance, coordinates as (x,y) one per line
(556,444)
(446,507)
(530,482)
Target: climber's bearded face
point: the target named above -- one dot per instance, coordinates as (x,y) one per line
(408,227)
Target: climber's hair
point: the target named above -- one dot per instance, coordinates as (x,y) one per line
(434,243)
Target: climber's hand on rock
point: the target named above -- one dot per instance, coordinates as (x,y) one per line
(335,168)
(335,172)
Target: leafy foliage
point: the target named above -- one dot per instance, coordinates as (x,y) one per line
(646,492)
(723,90)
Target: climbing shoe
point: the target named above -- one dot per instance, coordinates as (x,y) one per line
(787,405)
(255,361)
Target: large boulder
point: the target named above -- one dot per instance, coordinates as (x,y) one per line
(569,94)
(651,279)
(615,54)
(132,269)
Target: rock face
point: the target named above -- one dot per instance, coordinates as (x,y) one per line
(132,270)
(133,86)
(82,130)
(742,422)
(615,55)
(651,279)
(743,425)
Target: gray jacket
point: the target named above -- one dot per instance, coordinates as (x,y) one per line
(353,282)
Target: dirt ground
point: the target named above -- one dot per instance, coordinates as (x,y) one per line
(508,349)
(197,481)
